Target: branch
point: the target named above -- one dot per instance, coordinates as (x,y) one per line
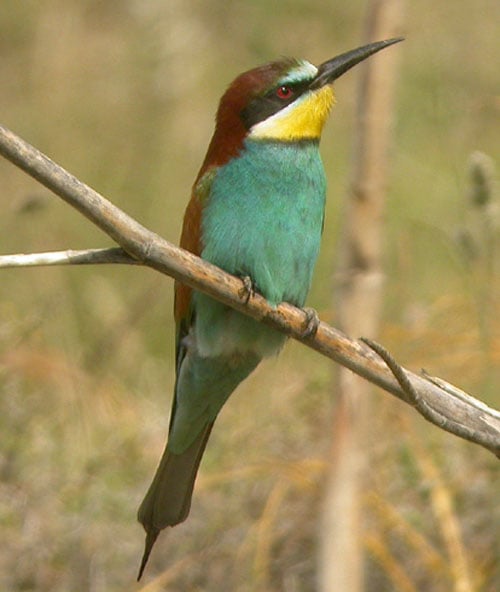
(465,416)
(70,257)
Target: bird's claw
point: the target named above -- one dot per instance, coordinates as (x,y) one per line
(311,323)
(247,290)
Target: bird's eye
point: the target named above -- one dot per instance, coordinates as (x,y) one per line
(284,92)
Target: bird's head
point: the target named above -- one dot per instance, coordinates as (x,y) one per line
(287,100)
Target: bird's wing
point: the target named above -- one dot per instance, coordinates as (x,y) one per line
(191,240)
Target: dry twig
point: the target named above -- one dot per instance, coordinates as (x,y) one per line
(463,416)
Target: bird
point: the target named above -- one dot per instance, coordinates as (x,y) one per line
(256,211)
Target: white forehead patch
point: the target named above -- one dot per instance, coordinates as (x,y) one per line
(303,71)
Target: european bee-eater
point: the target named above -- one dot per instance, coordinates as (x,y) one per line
(256,211)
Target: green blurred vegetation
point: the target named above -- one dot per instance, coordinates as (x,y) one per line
(123,94)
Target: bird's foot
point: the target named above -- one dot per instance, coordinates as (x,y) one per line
(247,290)
(311,323)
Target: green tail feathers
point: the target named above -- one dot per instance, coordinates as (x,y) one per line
(168,499)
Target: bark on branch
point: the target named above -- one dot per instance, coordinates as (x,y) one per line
(441,403)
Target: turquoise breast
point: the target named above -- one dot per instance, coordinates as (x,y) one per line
(263,218)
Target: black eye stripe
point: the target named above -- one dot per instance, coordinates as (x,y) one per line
(264,106)
(297,88)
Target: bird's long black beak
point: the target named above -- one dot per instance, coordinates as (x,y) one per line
(332,69)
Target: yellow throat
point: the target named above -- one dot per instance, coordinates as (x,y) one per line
(301,120)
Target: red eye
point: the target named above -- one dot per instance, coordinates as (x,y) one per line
(284,92)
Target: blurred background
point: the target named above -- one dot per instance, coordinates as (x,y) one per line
(123,95)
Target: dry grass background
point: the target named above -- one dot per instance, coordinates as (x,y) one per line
(123,94)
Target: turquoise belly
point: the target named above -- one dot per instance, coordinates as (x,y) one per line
(264,219)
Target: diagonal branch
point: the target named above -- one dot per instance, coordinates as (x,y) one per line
(464,416)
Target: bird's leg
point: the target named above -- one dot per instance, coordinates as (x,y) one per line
(247,290)
(311,323)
